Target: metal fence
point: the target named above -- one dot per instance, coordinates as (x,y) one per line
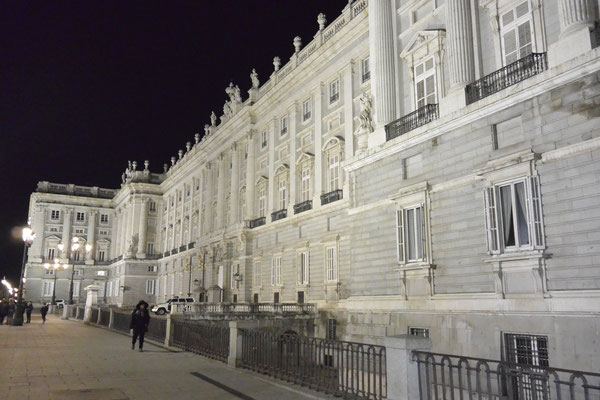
(450,377)
(157,329)
(121,321)
(95,312)
(211,341)
(104,317)
(73,312)
(346,369)
(80,312)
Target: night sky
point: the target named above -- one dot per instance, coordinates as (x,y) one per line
(86,86)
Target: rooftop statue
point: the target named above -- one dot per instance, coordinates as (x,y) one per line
(254,78)
(213,119)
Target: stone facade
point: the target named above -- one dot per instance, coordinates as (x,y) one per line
(480,219)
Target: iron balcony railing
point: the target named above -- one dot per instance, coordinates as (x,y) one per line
(201,338)
(153,256)
(257,222)
(526,67)
(182,248)
(345,369)
(301,207)
(191,245)
(423,115)
(444,376)
(332,196)
(244,308)
(174,251)
(166,254)
(277,215)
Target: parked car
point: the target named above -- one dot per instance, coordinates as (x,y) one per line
(163,308)
(60,303)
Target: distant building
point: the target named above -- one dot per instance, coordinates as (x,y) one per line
(431,169)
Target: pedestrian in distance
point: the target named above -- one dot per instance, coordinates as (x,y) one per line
(44,311)
(11,311)
(3,310)
(29,310)
(140,318)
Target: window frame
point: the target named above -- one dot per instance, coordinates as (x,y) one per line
(55,215)
(426,74)
(276,271)
(257,274)
(264,140)
(306,110)
(365,76)
(514,26)
(303,259)
(421,244)
(331,263)
(104,219)
(79,214)
(334,91)
(151,286)
(283,126)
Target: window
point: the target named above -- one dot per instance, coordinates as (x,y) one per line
(516,33)
(514,216)
(276,271)
(257,277)
(425,83)
(78,272)
(276,297)
(423,332)
(101,273)
(334,172)
(109,291)
(262,203)
(76,256)
(255,298)
(282,194)
(411,234)
(235,276)
(366,70)
(47,289)
(103,232)
(150,286)
(79,231)
(263,140)
(152,268)
(150,249)
(104,218)
(55,214)
(172,201)
(331,261)
(527,351)
(76,286)
(80,217)
(303,268)
(101,255)
(331,329)
(49,272)
(301,297)
(306,111)
(51,253)
(187,190)
(179,196)
(152,206)
(334,91)
(53,229)
(305,184)
(284,126)
(117,286)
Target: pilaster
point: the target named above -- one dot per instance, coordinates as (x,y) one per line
(143,228)
(271,190)
(91,236)
(235,183)
(348,93)
(318,166)
(221,184)
(250,177)
(576,21)
(293,127)
(66,234)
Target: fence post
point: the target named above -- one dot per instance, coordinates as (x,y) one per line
(99,316)
(76,312)
(111,319)
(235,345)
(66,311)
(168,328)
(402,374)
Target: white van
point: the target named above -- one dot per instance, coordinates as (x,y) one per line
(162,309)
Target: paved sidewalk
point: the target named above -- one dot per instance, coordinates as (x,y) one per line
(69,360)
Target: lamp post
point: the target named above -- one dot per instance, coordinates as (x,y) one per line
(55,267)
(74,247)
(28,236)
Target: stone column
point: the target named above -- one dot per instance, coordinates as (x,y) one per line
(348,79)
(200,205)
(381,44)
(91,236)
(91,300)
(575,15)
(318,167)
(271,189)
(141,251)
(576,20)
(460,43)
(38,224)
(209,195)
(399,364)
(116,226)
(293,118)
(235,183)
(124,229)
(250,178)
(221,185)
(66,234)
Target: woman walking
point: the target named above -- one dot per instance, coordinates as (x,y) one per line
(140,318)
(29,310)
(44,311)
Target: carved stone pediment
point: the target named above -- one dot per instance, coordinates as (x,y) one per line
(423,43)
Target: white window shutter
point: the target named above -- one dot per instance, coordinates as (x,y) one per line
(423,234)
(400,236)
(273,272)
(491,220)
(536,225)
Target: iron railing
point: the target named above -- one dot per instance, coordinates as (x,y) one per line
(191,245)
(80,312)
(345,369)
(244,308)
(174,251)
(332,196)
(277,215)
(157,329)
(257,222)
(182,248)
(301,207)
(201,338)
(94,315)
(449,377)
(121,321)
(423,115)
(526,67)
(73,312)
(104,318)
(153,256)
(166,253)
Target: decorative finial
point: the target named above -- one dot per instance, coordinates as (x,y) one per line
(322,20)
(146,165)
(188,146)
(197,138)
(173,160)
(297,43)
(206,130)
(134,164)
(276,63)
(180,152)
(254,79)
(165,167)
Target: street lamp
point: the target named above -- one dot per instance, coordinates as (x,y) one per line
(74,247)
(55,267)
(28,236)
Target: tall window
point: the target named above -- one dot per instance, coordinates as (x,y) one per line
(117,286)
(334,91)
(47,288)
(410,224)
(101,255)
(425,83)
(76,286)
(516,33)
(150,286)
(55,214)
(284,126)
(306,110)
(303,268)
(331,264)
(257,277)
(80,217)
(514,216)
(150,250)
(109,291)
(276,271)
(152,208)
(262,203)
(334,172)
(305,184)
(51,253)
(282,194)
(366,70)
(263,140)
(529,351)
(235,274)
(104,218)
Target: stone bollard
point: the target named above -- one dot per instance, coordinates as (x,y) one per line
(402,373)
(91,300)
(168,330)
(111,319)
(235,344)
(67,311)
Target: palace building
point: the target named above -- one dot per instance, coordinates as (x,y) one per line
(429,167)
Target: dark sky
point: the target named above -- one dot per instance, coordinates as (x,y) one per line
(86,86)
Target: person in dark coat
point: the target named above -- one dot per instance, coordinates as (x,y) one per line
(29,310)
(44,311)
(11,311)
(140,318)
(3,310)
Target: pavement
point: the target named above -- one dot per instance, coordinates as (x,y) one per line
(67,360)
